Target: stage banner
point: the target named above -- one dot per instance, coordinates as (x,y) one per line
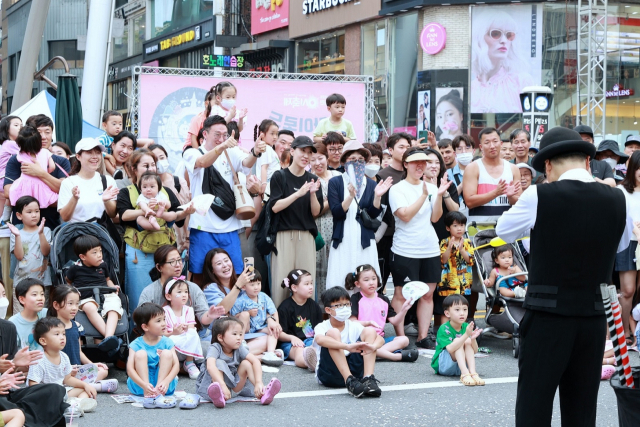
(168,103)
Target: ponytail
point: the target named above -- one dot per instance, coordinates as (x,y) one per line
(293,278)
(255,133)
(350,281)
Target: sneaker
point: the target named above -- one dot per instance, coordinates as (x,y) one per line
(354,386)
(109,386)
(87,405)
(310,358)
(410,330)
(192,370)
(109,344)
(271,359)
(427,343)
(114,352)
(371,386)
(409,355)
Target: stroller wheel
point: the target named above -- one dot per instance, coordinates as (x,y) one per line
(516,346)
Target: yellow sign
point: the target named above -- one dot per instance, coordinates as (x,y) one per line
(178,40)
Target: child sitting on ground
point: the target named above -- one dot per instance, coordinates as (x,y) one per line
(30,294)
(370,307)
(153,202)
(152,365)
(259,316)
(55,368)
(514,287)
(456,344)
(92,272)
(456,255)
(181,323)
(231,369)
(63,304)
(298,315)
(346,350)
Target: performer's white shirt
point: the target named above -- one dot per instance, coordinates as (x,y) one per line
(518,221)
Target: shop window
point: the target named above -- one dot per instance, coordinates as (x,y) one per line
(322,55)
(121,45)
(168,16)
(14,60)
(118,95)
(68,49)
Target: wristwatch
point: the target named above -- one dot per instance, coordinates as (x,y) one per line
(271,317)
(257,156)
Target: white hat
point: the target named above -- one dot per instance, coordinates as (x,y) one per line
(526,166)
(88,144)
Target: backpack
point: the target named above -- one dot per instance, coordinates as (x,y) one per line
(224,202)
(267,224)
(146,240)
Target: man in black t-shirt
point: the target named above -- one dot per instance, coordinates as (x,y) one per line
(600,171)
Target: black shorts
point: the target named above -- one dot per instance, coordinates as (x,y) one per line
(403,269)
(328,373)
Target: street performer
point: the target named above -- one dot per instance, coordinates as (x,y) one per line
(577,226)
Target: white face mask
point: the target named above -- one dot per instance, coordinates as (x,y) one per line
(611,162)
(371,170)
(4,305)
(342,314)
(228,104)
(162,166)
(464,158)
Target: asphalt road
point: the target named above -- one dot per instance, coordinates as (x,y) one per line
(412,395)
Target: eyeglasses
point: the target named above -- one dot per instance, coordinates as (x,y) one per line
(341,305)
(334,150)
(174,262)
(497,34)
(218,135)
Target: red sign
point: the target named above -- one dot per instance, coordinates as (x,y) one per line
(618,91)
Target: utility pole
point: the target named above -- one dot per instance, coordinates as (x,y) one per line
(30,51)
(95,59)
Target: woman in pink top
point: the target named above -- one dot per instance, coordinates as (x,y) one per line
(497,63)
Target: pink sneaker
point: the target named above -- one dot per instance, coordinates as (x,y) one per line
(270,391)
(216,395)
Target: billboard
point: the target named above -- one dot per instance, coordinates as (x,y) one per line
(424,114)
(267,15)
(168,103)
(450,119)
(506,55)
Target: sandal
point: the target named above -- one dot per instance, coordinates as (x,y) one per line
(216,395)
(467,380)
(607,372)
(159,402)
(190,401)
(631,341)
(477,379)
(270,391)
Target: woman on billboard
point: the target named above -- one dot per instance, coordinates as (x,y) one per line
(497,63)
(449,118)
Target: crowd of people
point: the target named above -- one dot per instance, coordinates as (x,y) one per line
(303,279)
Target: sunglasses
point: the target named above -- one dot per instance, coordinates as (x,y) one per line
(497,34)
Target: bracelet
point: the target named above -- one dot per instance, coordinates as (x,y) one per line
(446,196)
(254,195)
(238,288)
(272,318)
(254,154)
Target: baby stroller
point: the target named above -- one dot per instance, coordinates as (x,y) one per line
(508,320)
(62,256)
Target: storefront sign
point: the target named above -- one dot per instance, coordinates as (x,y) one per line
(433,38)
(130,8)
(223,61)
(267,15)
(618,91)
(178,40)
(311,6)
(188,38)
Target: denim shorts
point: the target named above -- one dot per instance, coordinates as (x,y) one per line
(286,346)
(446,365)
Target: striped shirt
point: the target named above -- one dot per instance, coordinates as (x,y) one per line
(46,372)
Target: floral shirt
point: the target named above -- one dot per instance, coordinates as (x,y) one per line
(457,276)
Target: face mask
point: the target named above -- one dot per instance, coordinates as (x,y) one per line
(4,305)
(342,314)
(356,173)
(228,104)
(162,166)
(611,162)
(464,158)
(371,170)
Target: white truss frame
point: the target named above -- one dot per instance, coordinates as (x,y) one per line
(592,64)
(189,72)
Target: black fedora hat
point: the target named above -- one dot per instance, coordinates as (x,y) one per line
(560,140)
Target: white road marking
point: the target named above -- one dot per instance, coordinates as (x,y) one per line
(399,387)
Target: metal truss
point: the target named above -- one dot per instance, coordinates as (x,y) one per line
(188,72)
(592,64)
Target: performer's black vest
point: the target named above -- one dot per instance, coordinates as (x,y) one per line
(573,246)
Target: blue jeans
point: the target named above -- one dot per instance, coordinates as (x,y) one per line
(446,365)
(286,347)
(136,276)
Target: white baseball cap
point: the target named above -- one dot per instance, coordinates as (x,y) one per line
(88,144)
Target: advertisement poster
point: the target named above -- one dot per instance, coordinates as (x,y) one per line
(168,103)
(267,15)
(424,113)
(506,55)
(450,117)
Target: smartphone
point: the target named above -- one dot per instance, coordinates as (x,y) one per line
(248,262)
(423,134)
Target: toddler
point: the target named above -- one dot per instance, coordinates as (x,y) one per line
(63,305)
(514,287)
(456,344)
(456,255)
(181,323)
(91,272)
(55,368)
(255,309)
(336,104)
(152,365)
(153,202)
(268,162)
(346,350)
(112,125)
(30,295)
(30,245)
(298,315)
(224,104)
(231,369)
(370,307)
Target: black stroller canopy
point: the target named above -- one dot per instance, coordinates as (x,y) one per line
(65,235)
